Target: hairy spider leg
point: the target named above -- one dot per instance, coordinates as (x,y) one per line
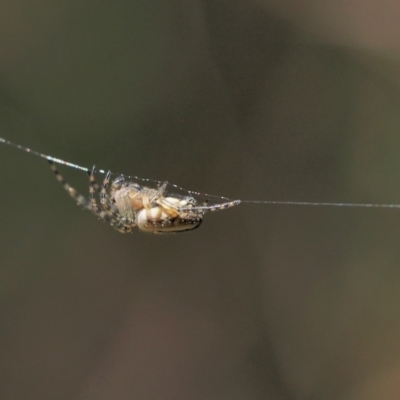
(101,213)
(159,192)
(81,200)
(212,207)
(104,198)
(103,192)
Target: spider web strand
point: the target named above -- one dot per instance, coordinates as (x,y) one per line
(317,204)
(45,156)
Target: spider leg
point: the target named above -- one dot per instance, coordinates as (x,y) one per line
(213,207)
(193,207)
(105,202)
(103,193)
(104,213)
(81,200)
(159,192)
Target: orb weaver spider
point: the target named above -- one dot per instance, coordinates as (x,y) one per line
(126,204)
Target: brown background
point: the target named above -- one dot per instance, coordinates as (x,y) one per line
(279,100)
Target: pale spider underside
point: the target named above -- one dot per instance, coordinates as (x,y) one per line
(125,205)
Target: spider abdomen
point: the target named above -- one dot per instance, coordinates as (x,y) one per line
(158,220)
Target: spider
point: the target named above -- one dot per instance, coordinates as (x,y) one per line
(125,205)
(152,210)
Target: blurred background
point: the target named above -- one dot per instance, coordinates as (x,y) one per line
(270,99)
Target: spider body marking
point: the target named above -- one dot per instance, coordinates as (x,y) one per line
(125,205)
